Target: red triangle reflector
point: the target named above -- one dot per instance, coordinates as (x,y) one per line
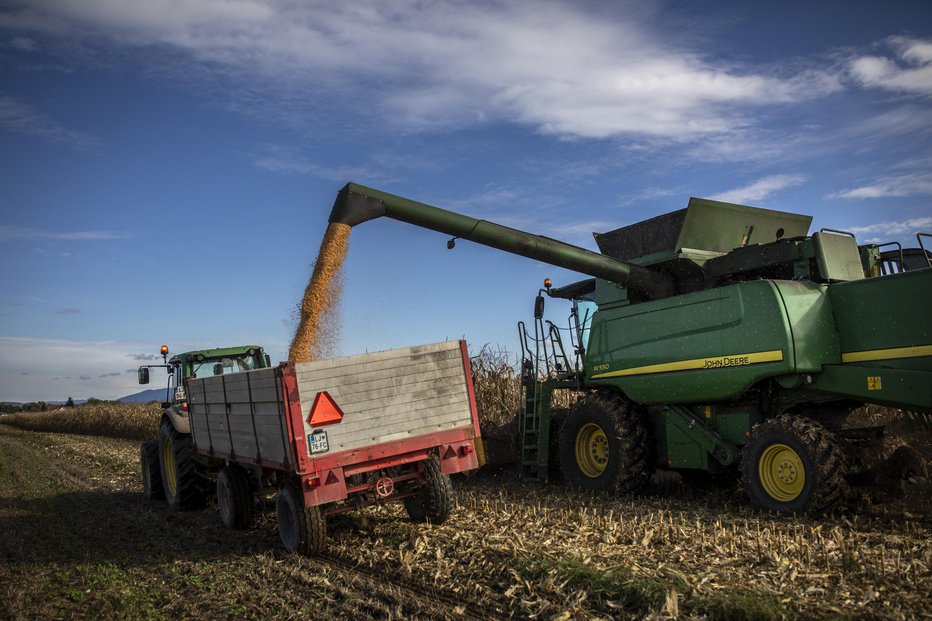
(449,453)
(331,478)
(324,411)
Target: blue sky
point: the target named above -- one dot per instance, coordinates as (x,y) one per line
(167,167)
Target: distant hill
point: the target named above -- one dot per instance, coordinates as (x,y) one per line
(153,394)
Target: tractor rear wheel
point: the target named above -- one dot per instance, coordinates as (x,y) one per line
(434,499)
(151,471)
(604,445)
(793,465)
(302,529)
(234,498)
(183,483)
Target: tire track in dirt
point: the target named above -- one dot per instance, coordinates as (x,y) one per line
(428,596)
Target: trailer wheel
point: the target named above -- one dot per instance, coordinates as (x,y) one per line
(234,498)
(183,484)
(434,500)
(793,465)
(604,445)
(302,529)
(151,472)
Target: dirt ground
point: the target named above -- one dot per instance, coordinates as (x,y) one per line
(77,540)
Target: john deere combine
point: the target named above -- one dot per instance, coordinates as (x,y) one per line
(717,337)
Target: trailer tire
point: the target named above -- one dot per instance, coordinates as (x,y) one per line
(151,471)
(183,483)
(604,446)
(234,498)
(434,499)
(792,464)
(302,529)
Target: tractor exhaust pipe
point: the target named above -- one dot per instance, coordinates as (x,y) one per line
(356,204)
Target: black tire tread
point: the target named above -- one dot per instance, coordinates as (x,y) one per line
(191,484)
(633,469)
(830,464)
(434,501)
(310,521)
(242,502)
(149,458)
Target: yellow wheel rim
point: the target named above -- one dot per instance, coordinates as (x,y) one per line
(781,472)
(591,450)
(170,476)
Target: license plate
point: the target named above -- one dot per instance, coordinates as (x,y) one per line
(318,442)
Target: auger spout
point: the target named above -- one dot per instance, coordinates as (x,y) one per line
(356,204)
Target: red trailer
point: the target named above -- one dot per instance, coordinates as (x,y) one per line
(339,434)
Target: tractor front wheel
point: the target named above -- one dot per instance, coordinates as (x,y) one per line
(604,445)
(234,498)
(184,485)
(793,465)
(151,472)
(302,529)
(434,499)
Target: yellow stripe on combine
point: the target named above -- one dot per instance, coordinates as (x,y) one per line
(719,362)
(887,354)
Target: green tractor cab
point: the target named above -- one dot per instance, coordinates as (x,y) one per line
(170,467)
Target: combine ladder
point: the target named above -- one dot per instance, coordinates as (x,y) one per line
(534,421)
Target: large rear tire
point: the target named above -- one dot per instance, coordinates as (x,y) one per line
(434,499)
(604,445)
(302,529)
(184,485)
(234,498)
(793,465)
(151,470)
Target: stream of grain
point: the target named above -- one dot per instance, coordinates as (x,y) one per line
(319,327)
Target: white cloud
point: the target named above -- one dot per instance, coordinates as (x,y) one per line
(910,184)
(894,227)
(759,190)
(559,68)
(648,194)
(17,232)
(59,368)
(909,72)
(24,44)
(20,117)
(285,160)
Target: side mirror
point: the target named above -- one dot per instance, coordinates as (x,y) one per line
(143,375)
(268,361)
(539,307)
(218,368)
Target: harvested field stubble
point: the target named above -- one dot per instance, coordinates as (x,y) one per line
(319,325)
(513,548)
(530,550)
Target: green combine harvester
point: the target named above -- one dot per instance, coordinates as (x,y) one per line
(715,338)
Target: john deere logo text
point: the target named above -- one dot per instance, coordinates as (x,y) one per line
(726,361)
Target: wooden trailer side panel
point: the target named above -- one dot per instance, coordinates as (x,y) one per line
(241,416)
(389,396)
